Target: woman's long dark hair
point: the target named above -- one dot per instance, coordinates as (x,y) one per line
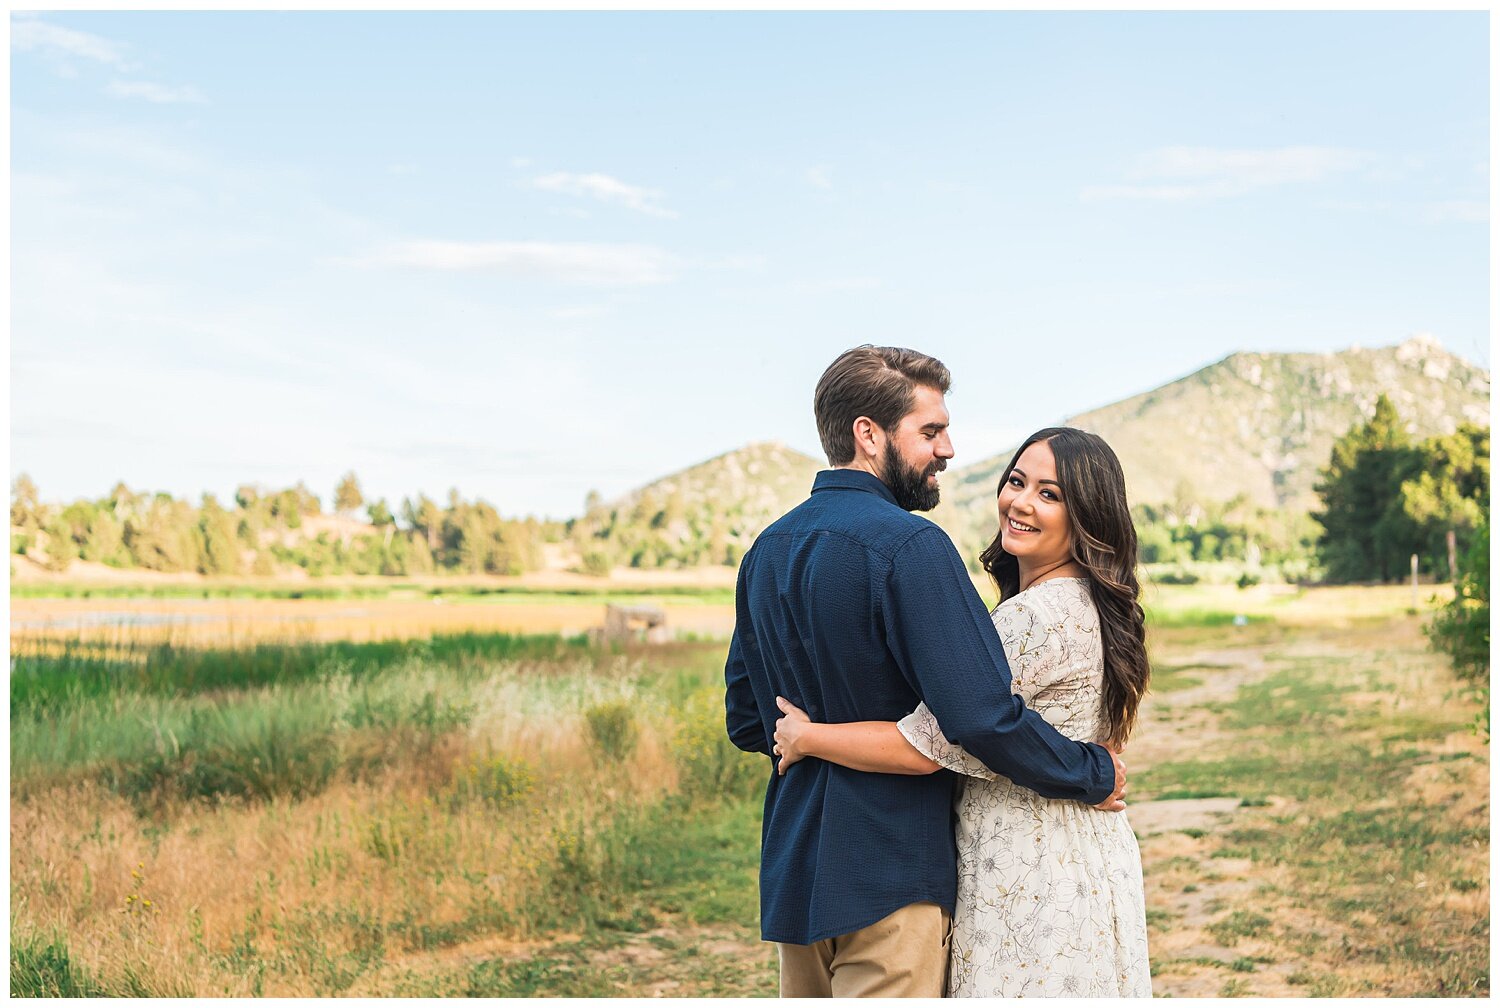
(1103,537)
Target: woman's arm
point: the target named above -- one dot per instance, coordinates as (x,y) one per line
(872,746)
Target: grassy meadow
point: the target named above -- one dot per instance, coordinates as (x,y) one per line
(353,801)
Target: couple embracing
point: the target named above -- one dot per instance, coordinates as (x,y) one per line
(946,811)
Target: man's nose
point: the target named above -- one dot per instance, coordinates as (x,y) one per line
(944,446)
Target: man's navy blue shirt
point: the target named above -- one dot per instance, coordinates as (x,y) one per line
(856,610)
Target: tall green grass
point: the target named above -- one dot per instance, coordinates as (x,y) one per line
(41,679)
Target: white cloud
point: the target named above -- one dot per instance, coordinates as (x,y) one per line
(160,94)
(30,35)
(820,176)
(606,189)
(587,263)
(1187,173)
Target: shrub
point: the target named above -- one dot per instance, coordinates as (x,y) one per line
(1462,629)
(708,764)
(612,727)
(494,781)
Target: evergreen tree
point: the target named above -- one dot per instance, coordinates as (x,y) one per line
(1367,534)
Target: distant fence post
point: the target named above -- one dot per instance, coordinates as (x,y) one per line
(1414,581)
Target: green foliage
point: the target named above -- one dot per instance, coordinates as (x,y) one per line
(496,781)
(1367,533)
(220,549)
(1452,492)
(1386,499)
(597,562)
(44,968)
(380,514)
(1462,629)
(613,728)
(265,531)
(709,765)
(43,680)
(24,503)
(347,496)
(265,751)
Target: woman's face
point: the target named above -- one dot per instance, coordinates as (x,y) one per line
(1033,514)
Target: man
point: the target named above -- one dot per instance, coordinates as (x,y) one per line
(855,609)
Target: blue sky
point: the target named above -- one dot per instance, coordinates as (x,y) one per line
(530,255)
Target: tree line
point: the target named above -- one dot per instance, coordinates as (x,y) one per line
(1388,498)
(266,532)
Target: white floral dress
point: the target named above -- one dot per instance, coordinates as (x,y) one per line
(1050,897)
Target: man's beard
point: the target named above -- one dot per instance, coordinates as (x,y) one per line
(908,484)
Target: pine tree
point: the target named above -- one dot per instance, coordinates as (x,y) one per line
(1367,534)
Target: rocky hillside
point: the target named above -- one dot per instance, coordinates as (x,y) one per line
(707,514)
(1254,426)
(1257,425)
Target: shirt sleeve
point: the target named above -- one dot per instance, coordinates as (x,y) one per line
(942,639)
(742,715)
(922,731)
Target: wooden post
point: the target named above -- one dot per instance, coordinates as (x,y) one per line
(1414,582)
(1452,557)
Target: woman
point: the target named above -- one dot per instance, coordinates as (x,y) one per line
(1050,897)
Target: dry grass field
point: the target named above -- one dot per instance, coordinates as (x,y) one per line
(347,804)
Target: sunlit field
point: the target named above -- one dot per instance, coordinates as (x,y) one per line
(395,796)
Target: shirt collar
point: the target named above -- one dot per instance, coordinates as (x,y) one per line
(852,479)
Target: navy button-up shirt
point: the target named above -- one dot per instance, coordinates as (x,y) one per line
(856,610)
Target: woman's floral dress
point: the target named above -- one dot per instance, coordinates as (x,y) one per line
(1050,897)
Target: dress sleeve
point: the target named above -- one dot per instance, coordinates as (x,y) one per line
(1036,650)
(922,731)
(943,641)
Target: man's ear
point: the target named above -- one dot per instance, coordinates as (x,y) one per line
(869,439)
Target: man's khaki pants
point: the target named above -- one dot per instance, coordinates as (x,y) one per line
(903,955)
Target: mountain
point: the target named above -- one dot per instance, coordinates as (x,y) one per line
(709,513)
(1257,425)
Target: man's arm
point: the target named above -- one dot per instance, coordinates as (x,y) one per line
(944,642)
(747,729)
(742,716)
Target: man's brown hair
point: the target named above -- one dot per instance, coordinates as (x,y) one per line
(875,382)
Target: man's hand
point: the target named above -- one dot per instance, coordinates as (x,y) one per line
(1116,801)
